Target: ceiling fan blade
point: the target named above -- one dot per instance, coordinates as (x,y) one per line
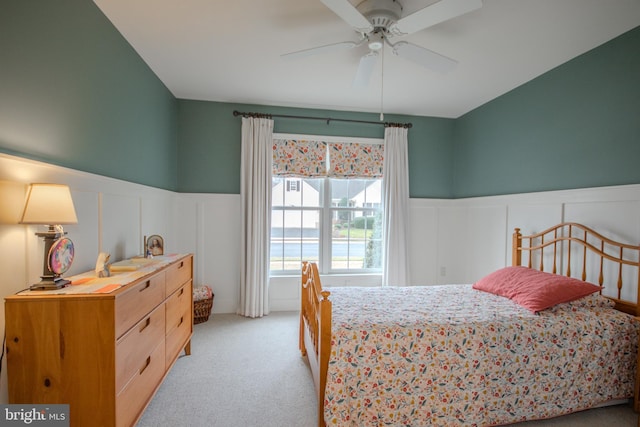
(321,49)
(365,69)
(434,14)
(349,14)
(425,57)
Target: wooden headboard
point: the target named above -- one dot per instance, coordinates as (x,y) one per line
(574,249)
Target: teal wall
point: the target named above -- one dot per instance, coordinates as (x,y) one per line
(576,126)
(74,93)
(209,135)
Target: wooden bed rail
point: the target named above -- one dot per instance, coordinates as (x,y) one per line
(572,239)
(315,330)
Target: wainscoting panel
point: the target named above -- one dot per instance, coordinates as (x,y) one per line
(423,242)
(84,234)
(452,245)
(221,243)
(120,225)
(155,218)
(485,245)
(209,226)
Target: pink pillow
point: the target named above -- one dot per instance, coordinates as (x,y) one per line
(532,289)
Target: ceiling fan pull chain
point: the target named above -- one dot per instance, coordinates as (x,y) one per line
(382,86)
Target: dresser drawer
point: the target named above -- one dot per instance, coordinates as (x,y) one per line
(178,274)
(178,307)
(179,324)
(138,392)
(137,301)
(133,348)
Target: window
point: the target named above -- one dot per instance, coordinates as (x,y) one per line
(293,185)
(295,223)
(318,214)
(356,224)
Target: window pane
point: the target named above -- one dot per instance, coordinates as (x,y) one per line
(356,224)
(300,192)
(295,236)
(356,192)
(373,245)
(277,191)
(310,237)
(277,242)
(347,246)
(355,242)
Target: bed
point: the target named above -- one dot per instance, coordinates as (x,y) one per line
(489,353)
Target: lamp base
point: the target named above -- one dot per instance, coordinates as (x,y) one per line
(50,284)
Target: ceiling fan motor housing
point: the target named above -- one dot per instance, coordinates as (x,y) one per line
(381,13)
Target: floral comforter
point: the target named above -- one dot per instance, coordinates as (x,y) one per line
(454,356)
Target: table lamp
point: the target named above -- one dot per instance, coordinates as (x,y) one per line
(51,204)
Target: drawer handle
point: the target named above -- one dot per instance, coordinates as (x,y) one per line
(146,364)
(146,286)
(62,345)
(145,324)
(181,320)
(181,291)
(181,264)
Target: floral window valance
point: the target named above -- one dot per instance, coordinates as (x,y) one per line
(355,160)
(299,158)
(313,159)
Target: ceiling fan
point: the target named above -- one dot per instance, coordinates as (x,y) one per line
(378,22)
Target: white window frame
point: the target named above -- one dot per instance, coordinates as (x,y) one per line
(324,264)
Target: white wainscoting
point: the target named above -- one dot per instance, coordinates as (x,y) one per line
(210,224)
(474,235)
(452,241)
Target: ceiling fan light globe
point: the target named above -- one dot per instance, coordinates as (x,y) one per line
(376,45)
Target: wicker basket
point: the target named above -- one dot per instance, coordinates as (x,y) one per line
(202,306)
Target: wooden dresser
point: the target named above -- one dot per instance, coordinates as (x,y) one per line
(106,350)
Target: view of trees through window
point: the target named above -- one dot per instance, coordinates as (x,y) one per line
(334,222)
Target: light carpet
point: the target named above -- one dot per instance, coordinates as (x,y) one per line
(249,372)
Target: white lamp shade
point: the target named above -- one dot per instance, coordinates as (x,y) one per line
(49,204)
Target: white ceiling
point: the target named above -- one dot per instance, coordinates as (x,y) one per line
(230,51)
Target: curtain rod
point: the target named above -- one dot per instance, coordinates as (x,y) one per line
(325,119)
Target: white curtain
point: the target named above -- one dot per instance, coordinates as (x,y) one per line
(396,207)
(255,192)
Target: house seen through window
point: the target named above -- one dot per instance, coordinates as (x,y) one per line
(326,206)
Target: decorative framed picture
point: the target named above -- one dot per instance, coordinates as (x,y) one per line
(60,256)
(155,245)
